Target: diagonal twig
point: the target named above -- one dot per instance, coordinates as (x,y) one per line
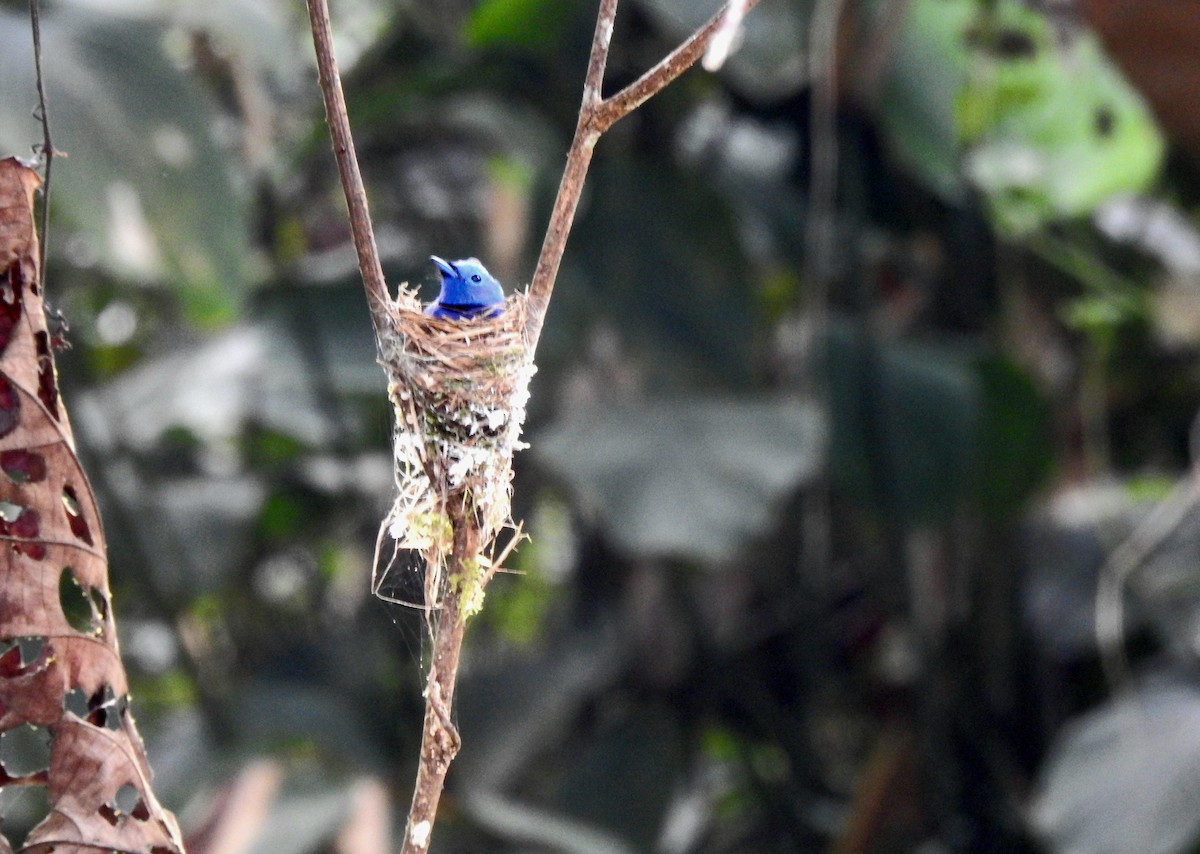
(596,115)
(668,68)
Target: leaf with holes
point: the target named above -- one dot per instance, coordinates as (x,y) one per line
(60,673)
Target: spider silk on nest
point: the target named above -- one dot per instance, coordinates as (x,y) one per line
(459,389)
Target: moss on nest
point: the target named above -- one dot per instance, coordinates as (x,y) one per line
(459,389)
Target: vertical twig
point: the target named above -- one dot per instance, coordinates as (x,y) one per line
(820,244)
(439,737)
(347,161)
(43,115)
(820,238)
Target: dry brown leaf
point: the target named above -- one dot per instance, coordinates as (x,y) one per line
(51,541)
(17,235)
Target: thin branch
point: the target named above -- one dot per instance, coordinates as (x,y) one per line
(570,187)
(820,238)
(596,115)
(820,246)
(439,738)
(1131,555)
(668,68)
(347,161)
(593,83)
(35,21)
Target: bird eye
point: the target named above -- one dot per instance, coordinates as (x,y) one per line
(476,278)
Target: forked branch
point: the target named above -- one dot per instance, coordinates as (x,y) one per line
(596,115)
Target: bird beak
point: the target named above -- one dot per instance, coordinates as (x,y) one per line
(448,269)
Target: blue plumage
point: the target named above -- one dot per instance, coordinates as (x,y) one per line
(468,290)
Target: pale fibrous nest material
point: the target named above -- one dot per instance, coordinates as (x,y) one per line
(459,388)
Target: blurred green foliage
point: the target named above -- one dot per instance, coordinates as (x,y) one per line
(766,538)
(1044,130)
(533,25)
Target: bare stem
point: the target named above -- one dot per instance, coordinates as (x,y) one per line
(820,245)
(347,161)
(35,22)
(593,83)
(596,115)
(439,738)
(667,69)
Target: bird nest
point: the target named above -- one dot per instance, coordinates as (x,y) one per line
(459,388)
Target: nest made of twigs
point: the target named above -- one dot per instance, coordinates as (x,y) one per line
(459,388)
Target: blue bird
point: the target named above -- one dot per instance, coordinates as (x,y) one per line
(468,290)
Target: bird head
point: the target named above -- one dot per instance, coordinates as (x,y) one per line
(467,283)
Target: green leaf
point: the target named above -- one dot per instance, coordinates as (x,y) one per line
(1015,447)
(1066,134)
(905,423)
(1099,314)
(530,24)
(282,515)
(989,98)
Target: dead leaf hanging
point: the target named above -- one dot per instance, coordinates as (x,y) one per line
(59,673)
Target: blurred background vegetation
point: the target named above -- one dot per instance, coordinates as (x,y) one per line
(821,485)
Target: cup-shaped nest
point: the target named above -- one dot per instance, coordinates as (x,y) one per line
(459,388)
